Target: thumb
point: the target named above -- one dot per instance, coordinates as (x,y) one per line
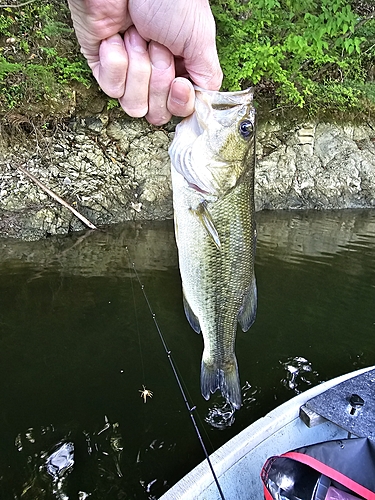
(200,52)
(204,69)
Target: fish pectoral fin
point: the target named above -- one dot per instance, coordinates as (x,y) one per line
(191,317)
(206,220)
(246,316)
(225,378)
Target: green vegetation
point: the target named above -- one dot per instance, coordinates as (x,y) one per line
(315,55)
(40,64)
(318,54)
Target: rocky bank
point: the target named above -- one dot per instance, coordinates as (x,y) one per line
(112,168)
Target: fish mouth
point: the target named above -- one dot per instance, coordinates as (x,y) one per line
(247,91)
(227,99)
(224,107)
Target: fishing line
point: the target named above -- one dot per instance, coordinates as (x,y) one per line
(137,324)
(197,414)
(190,409)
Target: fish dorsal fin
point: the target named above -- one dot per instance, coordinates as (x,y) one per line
(246,316)
(206,220)
(191,317)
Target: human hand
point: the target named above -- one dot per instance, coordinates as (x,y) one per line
(142,52)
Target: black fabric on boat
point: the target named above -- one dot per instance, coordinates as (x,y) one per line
(306,473)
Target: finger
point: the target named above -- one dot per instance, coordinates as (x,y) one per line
(110,70)
(162,75)
(135,98)
(200,54)
(204,69)
(181,97)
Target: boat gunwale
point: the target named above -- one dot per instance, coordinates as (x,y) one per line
(200,478)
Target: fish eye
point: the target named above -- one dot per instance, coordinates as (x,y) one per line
(246,129)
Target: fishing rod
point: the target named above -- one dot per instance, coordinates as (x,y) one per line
(190,409)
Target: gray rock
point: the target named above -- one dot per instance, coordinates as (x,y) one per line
(95,123)
(114,170)
(324,168)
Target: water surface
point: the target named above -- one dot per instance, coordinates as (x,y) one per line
(77,343)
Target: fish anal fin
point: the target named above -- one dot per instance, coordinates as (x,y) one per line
(191,317)
(246,316)
(207,222)
(224,377)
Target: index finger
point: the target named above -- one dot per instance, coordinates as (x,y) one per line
(111,68)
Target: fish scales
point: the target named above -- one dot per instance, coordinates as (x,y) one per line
(213,198)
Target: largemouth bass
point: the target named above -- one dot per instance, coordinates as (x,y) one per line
(213,162)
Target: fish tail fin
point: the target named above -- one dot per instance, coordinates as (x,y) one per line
(225,378)
(210,379)
(230,384)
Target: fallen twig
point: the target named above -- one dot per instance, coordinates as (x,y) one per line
(16,5)
(57,198)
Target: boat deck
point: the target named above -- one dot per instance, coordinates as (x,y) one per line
(350,405)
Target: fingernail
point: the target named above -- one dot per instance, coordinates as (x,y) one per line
(114,41)
(136,41)
(161,58)
(180,92)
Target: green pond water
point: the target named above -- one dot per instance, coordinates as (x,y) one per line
(77,343)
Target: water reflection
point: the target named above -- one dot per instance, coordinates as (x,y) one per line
(60,462)
(221,416)
(96,253)
(250,396)
(316,236)
(290,236)
(299,374)
(55,470)
(44,465)
(75,332)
